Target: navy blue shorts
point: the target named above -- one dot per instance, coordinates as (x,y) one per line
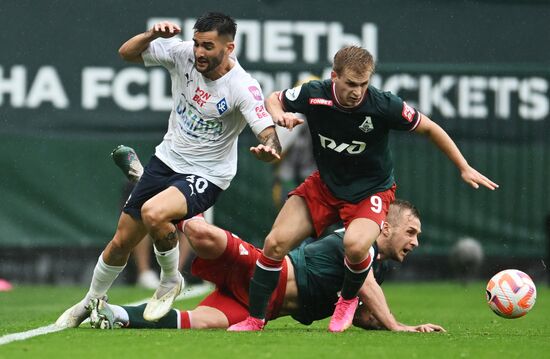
(199,193)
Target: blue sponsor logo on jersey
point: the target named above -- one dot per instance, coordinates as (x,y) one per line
(192,124)
(221,106)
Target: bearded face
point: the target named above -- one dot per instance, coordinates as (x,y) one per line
(210,51)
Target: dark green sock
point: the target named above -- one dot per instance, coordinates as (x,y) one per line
(352,283)
(169,321)
(262,285)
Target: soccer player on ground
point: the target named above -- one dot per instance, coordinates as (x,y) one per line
(214,99)
(349,123)
(311,277)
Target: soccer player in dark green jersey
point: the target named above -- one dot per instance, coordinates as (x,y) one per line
(313,275)
(349,123)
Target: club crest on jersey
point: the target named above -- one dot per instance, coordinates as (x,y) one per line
(222,106)
(367,125)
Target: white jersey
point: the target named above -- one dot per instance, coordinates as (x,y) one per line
(207,116)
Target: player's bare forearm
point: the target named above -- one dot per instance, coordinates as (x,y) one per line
(274,106)
(269,149)
(366,320)
(444,142)
(280,117)
(375,305)
(268,137)
(131,50)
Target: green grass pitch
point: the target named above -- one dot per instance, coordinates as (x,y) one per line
(473,330)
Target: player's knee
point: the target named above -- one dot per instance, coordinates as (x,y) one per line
(356,251)
(151,216)
(119,246)
(198,234)
(275,247)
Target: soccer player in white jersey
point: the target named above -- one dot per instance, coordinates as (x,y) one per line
(214,99)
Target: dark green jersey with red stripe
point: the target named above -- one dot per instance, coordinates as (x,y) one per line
(351,145)
(319,272)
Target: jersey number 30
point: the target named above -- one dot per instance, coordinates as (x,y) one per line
(196,183)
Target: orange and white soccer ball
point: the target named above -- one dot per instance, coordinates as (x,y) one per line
(511,293)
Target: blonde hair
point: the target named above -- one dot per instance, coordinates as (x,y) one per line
(353,58)
(396,209)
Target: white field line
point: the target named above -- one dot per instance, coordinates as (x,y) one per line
(188,293)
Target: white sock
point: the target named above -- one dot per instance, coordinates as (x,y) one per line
(168,262)
(121,315)
(103,278)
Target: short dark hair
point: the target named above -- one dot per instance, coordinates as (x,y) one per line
(216,21)
(401,205)
(354,58)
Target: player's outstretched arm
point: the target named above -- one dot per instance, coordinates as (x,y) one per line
(280,117)
(131,50)
(366,320)
(375,314)
(269,148)
(442,140)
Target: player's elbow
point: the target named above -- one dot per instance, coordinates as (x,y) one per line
(275,248)
(123,53)
(126,55)
(200,235)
